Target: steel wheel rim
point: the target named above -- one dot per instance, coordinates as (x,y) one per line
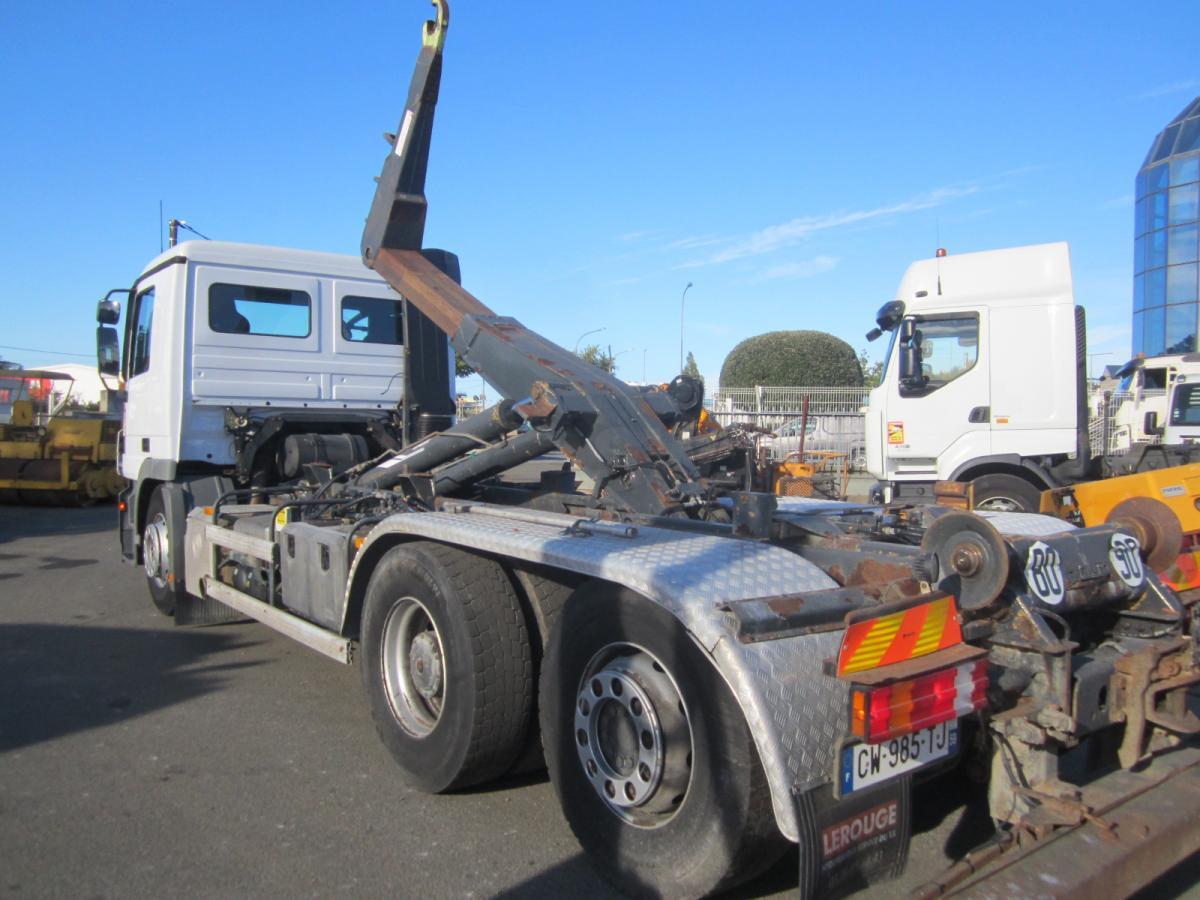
(633,735)
(414,671)
(1000,504)
(156,552)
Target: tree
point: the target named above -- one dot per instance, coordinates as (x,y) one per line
(792,358)
(691,369)
(872,371)
(461,369)
(597,357)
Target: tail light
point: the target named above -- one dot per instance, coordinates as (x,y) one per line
(881,712)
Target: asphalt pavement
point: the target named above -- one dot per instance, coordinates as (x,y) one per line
(138,759)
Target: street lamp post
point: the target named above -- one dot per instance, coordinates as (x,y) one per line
(644,352)
(585,334)
(1092,356)
(682,298)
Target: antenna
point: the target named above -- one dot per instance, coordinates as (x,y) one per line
(937,233)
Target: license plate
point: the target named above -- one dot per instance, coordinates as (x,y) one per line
(866,764)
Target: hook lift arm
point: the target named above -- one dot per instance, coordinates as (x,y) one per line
(613,432)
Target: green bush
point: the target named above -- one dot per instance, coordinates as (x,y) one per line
(792,358)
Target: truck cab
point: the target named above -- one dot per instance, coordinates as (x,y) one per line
(1145,399)
(980,379)
(242,364)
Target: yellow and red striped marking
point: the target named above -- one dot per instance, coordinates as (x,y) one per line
(900,636)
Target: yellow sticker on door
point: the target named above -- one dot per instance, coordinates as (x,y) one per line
(895,432)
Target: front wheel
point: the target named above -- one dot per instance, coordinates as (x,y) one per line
(650,756)
(159,557)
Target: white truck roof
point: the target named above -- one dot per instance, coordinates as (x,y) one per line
(264,257)
(1016,276)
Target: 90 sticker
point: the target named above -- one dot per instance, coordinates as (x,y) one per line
(1125,554)
(1044,573)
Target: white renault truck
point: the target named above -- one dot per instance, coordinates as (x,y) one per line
(244,366)
(984,382)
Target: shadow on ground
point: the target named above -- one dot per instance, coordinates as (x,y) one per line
(37,521)
(59,679)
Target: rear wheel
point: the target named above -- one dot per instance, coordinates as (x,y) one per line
(1005,493)
(446,665)
(653,763)
(166,589)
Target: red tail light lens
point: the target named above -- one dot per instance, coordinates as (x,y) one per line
(902,707)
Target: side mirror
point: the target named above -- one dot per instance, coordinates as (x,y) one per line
(911,352)
(1150,424)
(108,310)
(910,366)
(108,350)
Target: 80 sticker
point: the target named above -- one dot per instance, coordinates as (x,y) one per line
(1125,554)
(1044,573)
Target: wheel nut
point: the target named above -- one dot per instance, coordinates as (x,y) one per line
(966,559)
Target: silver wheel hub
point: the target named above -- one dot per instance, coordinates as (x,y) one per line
(425,665)
(1000,504)
(156,552)
(414,676)
(632,735)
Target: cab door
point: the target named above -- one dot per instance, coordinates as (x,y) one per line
(938,413)
(145,360)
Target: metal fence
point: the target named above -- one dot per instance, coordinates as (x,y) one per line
(835,419)
(1115,419)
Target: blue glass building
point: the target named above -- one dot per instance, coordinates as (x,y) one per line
(1166,243)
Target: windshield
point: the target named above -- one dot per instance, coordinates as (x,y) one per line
(1185,409)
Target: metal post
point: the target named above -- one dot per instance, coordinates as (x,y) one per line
(682,298)
(585,334)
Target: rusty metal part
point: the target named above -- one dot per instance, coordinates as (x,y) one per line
(1149,692)
(972,558)
(424,285)
(1136,826)
(1154,525)
(772,618)
(954,494)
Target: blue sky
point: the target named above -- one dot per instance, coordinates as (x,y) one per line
(590,159)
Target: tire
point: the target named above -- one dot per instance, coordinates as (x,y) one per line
(702,820)
(447,666)
(160,562)
(1005,493)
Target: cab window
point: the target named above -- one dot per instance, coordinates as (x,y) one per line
(1185,410)
(139,344)
(372,320)
(271,312)
(949,349)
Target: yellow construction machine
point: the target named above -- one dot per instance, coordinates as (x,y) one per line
(50,454)
(1164,500)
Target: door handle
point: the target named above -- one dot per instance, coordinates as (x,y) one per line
(979,415)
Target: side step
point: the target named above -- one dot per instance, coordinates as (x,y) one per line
(332,645)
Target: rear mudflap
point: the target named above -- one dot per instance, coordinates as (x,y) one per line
(850,843)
